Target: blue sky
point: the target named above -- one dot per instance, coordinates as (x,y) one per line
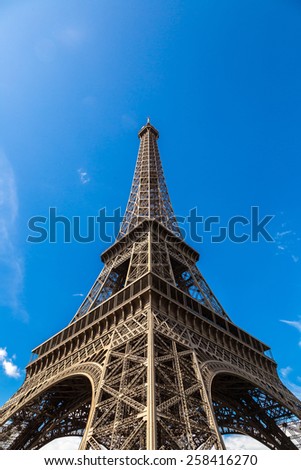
(221,82)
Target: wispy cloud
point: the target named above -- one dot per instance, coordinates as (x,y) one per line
(10,369)
(287,242)
(285,371)
(64,443)
(294,324)
(293,387)
(129,121)
(282,234)
(83,175)
(3,354)
(89,101)
(243,442)
(71,36)
(77,295)
(11,263)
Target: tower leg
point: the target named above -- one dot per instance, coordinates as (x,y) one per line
(241,406)
(219,442)
(151,439)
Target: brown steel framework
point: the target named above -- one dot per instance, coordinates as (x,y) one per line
(151,360)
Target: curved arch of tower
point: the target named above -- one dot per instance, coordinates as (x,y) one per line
(151,360)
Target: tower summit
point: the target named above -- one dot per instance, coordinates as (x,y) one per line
(150,359)
(149,197)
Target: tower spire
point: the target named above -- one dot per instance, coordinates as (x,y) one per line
(149,198)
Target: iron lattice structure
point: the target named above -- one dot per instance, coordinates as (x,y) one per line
(151,360)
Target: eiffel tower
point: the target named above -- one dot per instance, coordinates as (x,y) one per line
(151,360)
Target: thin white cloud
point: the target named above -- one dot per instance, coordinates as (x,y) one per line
(11,263)
(8,196)
(294,388)
(3,354)
(237,442)
(77,295)
(68,37)
(71,36)
(129,121)
(83,176)
(63,443)
(287,242)
(9,368)
(285,371)
(282,234)
(45,50)
(89,101)
(295,324)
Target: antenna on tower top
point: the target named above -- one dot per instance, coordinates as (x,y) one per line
(148,120)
